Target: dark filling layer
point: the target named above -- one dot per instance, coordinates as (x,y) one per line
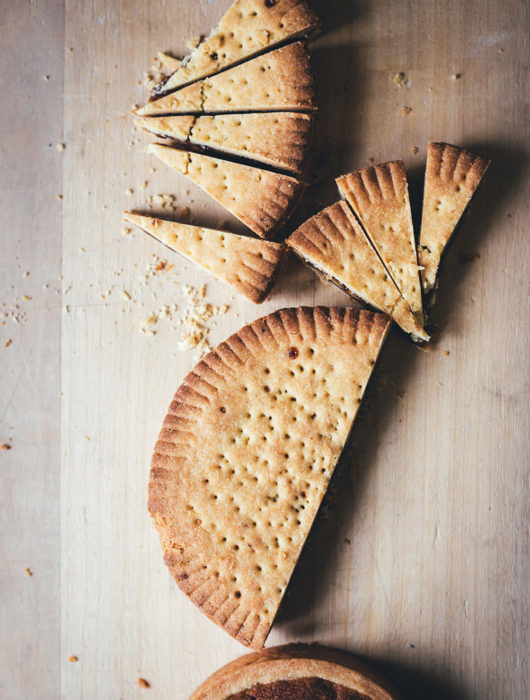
(299,689)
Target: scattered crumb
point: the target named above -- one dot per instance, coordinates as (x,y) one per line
(61,146)
(73,659)
(45,77)
(400,79)
(129,191)
(8,343)
(126,295)
(469,257)
(143,683)
(5,446)
(456,76)
(28,571)
(400,394)
(25,297)
(143,185)
(26,274)
(406,110)
(347,541)
(71,49)
(371,159)
(193,42)
(411,646)
(126,231)
(59,196)
(447,353)
(414,150)
(509,216)
(184,213)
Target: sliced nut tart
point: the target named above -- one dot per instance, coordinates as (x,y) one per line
(259,198)
(295,672)
(247,264)
(379,197)
(452,177)
(280,139)
(279,80)
(248,27)
(246,453)
(333,243)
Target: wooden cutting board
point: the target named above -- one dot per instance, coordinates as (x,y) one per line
(419,560)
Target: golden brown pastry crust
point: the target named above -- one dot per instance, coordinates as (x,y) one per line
(280,139)
(279,80)
(292,661)
(261,199)
(452,177)
(246,29)
(246,452)
(247,264)
(333,243)
(380,199)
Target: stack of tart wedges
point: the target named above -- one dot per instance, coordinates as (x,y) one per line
(239,114)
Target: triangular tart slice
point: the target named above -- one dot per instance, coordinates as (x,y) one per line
(279,80)
(333,243)
(280,139)
(452,177)
(379,197)
(246,452)
(261,199)
(249,265)
(248,27)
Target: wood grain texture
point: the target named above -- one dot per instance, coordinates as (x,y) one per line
(420,563)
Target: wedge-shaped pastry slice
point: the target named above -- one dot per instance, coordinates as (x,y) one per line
(280,139)
(452,177)
(279,80)
(260,199)
(246,453)
(333,243)
(295,671)
(247,264)
(248,27)
(379,197)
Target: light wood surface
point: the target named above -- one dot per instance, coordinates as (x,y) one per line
(420,561)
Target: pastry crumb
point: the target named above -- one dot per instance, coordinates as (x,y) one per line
(347,540)
(28,571)
(5,446)
(406,110)
(400,79)
(456,76)
(8,342)
(25,297)
(73,659)
(45,77)
(371,160)
(447,353)
(61,146)
(143,683)
(414,150)
(129,191)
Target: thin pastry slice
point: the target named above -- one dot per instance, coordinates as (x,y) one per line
(280,139)
(259,198)
(452,177)
(279,80)
(333,243)
(380,199)
(246,452)
(247,264)
(248,27)
(295,671)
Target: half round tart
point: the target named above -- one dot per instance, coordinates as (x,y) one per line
(295,672)
(246,452)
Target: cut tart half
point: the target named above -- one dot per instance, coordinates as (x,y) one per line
(380,199)
(246,452)
(261,199)
(280,139)
(247,264)
(278,80)
(295,672)
(452,177)
(333,243)
(248,27)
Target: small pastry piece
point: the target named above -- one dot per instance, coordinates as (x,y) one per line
(247,264)
(259,198)
(333,243)
(280,139)
(236,481)
(248,27)
(380,199)
(278,80)
(295,671)
(452,177)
